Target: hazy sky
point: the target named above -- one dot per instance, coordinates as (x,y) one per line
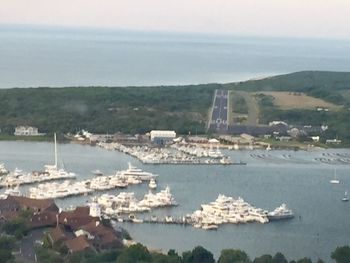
(311,18)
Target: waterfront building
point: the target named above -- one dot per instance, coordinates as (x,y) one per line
(27,131)
(162,137)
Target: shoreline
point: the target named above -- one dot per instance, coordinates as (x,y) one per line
(260,145)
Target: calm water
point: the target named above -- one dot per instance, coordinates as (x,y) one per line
(323,223)
(39,56)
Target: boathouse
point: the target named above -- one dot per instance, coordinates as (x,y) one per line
(161,137)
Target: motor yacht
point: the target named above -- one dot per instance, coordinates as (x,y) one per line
(137,173)
(281,212)
(97,172)
(227,210)
(3,170)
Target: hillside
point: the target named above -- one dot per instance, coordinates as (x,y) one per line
(329,86)
(107,109)
(140,109)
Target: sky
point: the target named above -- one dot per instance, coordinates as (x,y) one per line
(290,18)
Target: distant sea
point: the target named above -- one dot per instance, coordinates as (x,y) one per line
(53,56)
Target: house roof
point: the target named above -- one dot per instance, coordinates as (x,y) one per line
(46,218)
(105,234)
(77,244)
(8,204)
(76,218)
(57,234)
(77,212)
(41,204)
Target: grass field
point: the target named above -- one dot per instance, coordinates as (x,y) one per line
(290,100)
(251,117)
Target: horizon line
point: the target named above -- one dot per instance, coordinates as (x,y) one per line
(172,32)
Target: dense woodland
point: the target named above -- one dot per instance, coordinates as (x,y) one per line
(181,108)
(140,254)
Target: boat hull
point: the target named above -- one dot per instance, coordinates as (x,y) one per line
(279,217)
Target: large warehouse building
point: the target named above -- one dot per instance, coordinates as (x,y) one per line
(162,137)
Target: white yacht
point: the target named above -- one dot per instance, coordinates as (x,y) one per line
(281,212)
(3,170)
(161,199)
(152,184)
(135,172)
(97,172)
(53,172)
(215,154)
(227,210)
(13,191)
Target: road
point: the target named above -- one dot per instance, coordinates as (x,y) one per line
(27,245)
(218,120)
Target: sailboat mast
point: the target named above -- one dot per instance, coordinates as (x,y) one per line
(55,150)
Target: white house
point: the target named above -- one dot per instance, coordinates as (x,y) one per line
(27,131)
(315,138)
(333,141)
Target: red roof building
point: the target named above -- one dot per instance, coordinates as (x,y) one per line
(77,244)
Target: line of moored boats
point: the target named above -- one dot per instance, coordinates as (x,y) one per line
(121,179)
(150,155)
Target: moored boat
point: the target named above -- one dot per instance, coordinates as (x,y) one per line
(281,212)
(346,197)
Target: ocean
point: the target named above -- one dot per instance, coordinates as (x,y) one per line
(52,56)
(296,178)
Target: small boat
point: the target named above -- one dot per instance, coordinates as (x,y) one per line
(152,184)
(168,219)
(134,219)
(97,172)
(209,226)
(335,180)
(13,191)
(346,197)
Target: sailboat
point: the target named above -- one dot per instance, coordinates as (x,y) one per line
(335,180)
(53,171)
(346,197)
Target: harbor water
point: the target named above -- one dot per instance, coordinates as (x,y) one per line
(296,178)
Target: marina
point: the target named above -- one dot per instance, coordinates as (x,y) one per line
(50,173)
(262,182)
(121,179)
(173,155)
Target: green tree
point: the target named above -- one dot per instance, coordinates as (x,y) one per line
(6,246)
(233,256)
(304,260)
(341,254)
(198,255)
(279,258)
(48,255)
(161,258)
(135,254)
(5,255)
(263,259)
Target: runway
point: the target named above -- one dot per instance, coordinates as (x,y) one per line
(219,122)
